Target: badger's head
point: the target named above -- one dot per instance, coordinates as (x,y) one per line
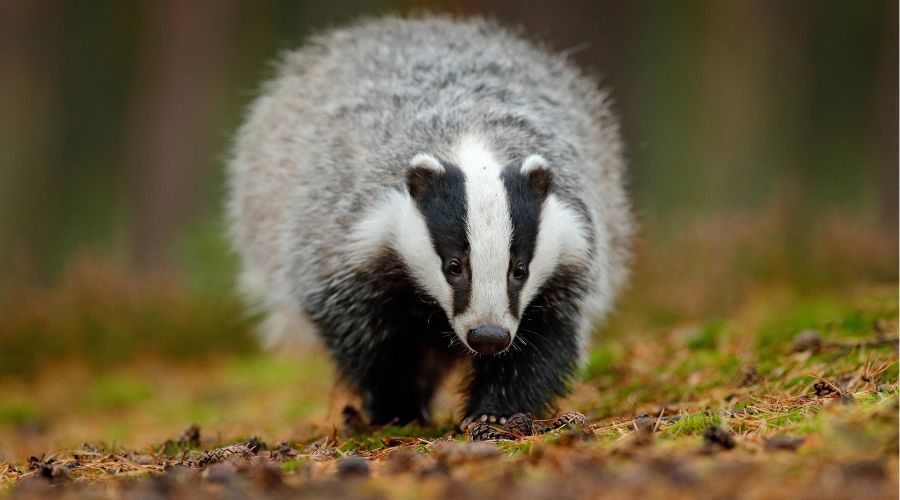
(480,237)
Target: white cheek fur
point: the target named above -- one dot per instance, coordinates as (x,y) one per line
(396,223)
(561,240)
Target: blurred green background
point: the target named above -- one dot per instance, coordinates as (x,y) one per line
(117,114)
(762,138)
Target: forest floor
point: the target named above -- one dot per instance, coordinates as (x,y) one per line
(785,398)
(737,366)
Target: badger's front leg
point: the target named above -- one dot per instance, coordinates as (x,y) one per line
(528,376)
(392,389)
(400,379)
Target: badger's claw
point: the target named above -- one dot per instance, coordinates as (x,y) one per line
(472,420)
(468,422)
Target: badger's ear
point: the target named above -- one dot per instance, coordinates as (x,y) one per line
(423,168)
(537,171)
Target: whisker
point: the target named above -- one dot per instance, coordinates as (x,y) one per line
(542,336)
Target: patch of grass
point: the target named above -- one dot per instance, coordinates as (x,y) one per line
(118,392)
(107,317)
(863,429)
(891,374)
(376,439)
(20,412)
(832,319)
(415,430)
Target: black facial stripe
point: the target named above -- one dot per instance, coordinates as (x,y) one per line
(526,194)
(441,197)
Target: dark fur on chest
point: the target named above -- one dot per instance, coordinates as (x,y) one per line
(394,345)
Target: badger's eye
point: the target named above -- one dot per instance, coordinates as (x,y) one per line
(454,267)
(519,271)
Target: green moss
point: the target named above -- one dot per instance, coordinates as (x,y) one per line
(514,447)
(797,382)
(302,407)
(777,335)
(117,433)
(692,424)
(891,374)
(788,419)
(205,258)
(707,337)
(362,443)
(608,434)
(601,366)
(291,465)
(268,372)
(811,424)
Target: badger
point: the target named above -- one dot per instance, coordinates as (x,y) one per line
(432,190)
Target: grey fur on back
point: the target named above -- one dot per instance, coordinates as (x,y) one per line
(339,123)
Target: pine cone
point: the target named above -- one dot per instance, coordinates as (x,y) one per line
(521,424)
(823,388)
(486,432)
(574,418)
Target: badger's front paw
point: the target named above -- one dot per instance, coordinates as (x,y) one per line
(488,427)
(470,421)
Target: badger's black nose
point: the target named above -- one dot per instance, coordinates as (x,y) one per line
(488,339)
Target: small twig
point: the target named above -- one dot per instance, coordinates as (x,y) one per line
(656,424)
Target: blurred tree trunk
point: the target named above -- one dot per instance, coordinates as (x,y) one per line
(29,38)
(741,45)
(886,123)
(181,56)
(596,34)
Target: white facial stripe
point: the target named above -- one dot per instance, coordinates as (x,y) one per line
(412,241)
(397,223)
(489,230)
(560,241)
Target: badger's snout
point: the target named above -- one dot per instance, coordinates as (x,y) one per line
(488,339)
